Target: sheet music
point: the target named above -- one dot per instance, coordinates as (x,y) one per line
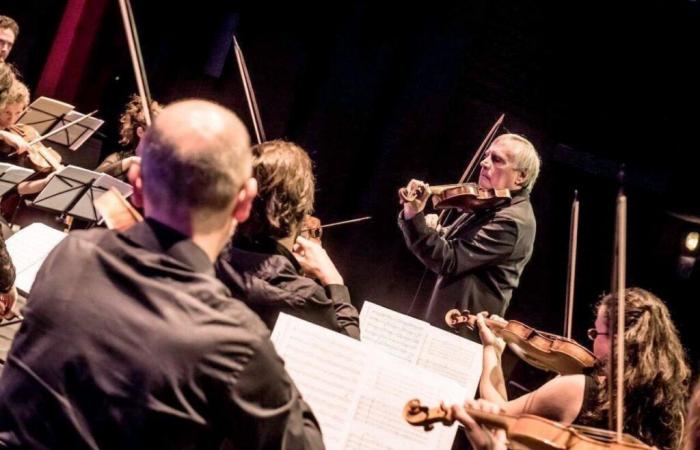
(358,394)
(426,346)
(11,175)
(394,333)
(43,113)
(28,249)
(106,181)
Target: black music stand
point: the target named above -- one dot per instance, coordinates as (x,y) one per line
(72,192)
(11,176)
(43,113)
(75,135)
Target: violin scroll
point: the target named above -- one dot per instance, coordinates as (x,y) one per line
(311,228)
(422,416)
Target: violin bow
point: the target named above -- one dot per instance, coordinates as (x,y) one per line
(136,58)
(571,267)
(473,164)
(619,274)
(342,222)
(61,128)
(249,93)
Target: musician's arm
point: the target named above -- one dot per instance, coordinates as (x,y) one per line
(560,399)
(14,141)
(494,241)
(34,186)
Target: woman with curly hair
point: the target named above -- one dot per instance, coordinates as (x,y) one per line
(656,375)
(269,264)
(133,126)
(691,440)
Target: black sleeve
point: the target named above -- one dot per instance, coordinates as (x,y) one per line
(494,241)
(264,407)
(345,313)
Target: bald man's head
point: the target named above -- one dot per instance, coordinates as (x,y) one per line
(195,157)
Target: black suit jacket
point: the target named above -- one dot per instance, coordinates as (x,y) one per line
(478,260)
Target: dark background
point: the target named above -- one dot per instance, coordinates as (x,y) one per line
(380,93)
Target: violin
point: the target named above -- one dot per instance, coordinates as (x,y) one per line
(526,430)
(43,158)
(312,229)
(116,211)
(462,196)
(543,350)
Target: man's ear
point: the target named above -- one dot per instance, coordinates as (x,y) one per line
(134,176)
(244,200)
(520,178)
(140,132)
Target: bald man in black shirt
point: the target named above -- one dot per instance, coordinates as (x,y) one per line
(129,340)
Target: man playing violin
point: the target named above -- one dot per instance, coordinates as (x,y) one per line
(269,264)
(480,257)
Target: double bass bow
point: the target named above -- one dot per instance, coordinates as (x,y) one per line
(311,227)
(116,211)
(545,351)
(527,431)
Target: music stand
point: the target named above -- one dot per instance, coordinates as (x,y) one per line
(72,191)
(11,176)
(74,136)
(43,113)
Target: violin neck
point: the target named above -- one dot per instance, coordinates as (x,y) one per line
(55,165)
(491,419)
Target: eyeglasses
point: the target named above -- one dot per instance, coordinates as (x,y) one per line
(593,333)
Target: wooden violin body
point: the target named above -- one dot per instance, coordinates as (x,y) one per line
(463,196)
(43,158)
(543,350)
(527,431)
(116,211)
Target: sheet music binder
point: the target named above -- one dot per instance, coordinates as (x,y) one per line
(72,191)
(11,176)
(43,113)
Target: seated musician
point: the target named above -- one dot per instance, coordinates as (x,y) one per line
(656,375)
(267,260)
(8,292)
(14,137)
(130,342)
(132,127)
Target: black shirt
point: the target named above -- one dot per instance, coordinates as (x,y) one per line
(129,341)
(478,259)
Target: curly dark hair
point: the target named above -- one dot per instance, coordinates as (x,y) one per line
(7,79)
(132,118)
(285,190)
(656,376)
(691,440)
